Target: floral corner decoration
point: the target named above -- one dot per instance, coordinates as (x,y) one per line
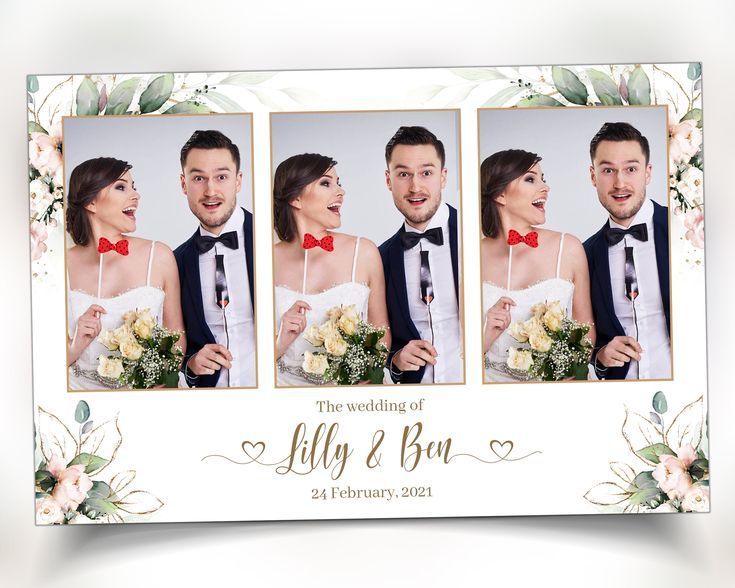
(676,475)
(68,487)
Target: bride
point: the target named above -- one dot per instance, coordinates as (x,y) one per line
(523,265)
(109,274)
(315,268)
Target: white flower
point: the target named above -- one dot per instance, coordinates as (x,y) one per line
(335,344)
(348,324)
(41,197)
(144,324)
(314,336)
(44,151)
(48,511)
(517,331)
(107,338)
(538,310)
(694,223)
(123,333)
(696,499)
(691,182)
(664,508)
(554,316)
(685,138)
(110,368)
(519,359)
(315,363)
(540,342)
(131,349)
(533,326)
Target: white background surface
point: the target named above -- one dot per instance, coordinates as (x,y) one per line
(46,37)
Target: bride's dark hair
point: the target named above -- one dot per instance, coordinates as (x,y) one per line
(292,176)
(85,183)
(496,172)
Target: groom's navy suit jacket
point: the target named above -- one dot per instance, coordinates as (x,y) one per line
(198,333)
(606,322)
(401,326)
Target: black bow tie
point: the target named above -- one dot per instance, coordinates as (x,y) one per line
(205,242)
(615,235)
(410,238)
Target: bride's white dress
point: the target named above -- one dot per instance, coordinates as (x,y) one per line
(290,371)
(83,373)
(556,288)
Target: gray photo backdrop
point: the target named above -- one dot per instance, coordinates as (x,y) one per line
(151,144)
(561,136)
(356,140)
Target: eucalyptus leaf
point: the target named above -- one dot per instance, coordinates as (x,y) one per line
(121,97)
(477,74)
(652,452)
(156,93)
(694,71)
(247,79)
(569,85)
(659,403)
(623,88)
(538,100)
(188,107)
(32,84)
(87,427)
(698,85)
(91,463)
(605,88)
(82,412)
(655,418)
(226,103)
(694,114)
(639,87)
(34,127)
(102,104)
(88,98)
(94,507)
(502,97)
(102,490)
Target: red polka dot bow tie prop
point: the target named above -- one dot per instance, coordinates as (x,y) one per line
(105,245)
(326,243)
(531,239)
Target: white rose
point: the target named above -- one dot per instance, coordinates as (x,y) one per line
(328,329)
(314,336)
(519,359)
(110,368)
(130,317)
(315,363)
(48,511)
(553,321)
(41,197)
(131,349)
(691,183)
(123,333)
(334,313)
(685,139)
(517,331)
(107,338)
(696,499)
(335,344)
(538,310)
(144,324)
(540,342)
(348,324)
(533,325)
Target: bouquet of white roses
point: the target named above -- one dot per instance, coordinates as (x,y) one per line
(148,354)
(557,345)
(352,352)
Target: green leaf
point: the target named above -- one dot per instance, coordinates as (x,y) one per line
(102,490)
(645,491)
(121,97)
(580,371)
(375,375)
(226,103)
(167,343)
(699,468)
(659,402)
(34,127)
(188,107)
(502,97)
(32,84)
(156,93)
(94,507)
(171,379)
(91,463)
(639,87)
(694,71)
(694,114)
(478,74)
(652,452)
(538,100)
(247,79)
(45,480)
(371,340)
(82,412)
(569,85)
(88,98)
(605,88)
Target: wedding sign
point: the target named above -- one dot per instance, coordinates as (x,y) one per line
(368,293)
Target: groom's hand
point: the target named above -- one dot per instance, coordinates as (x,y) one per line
(619,351)
(414,355)
(209,359)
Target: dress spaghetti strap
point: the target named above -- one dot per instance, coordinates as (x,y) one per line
(150,264)
(558,259)
(354,258)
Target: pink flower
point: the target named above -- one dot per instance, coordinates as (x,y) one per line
(685,138)
(672,475)
(44,151)
(72,484)
(694,222)
(39,234)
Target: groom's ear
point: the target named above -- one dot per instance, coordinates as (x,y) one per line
(238,182)
(593,178)
(444,177)
(387,179)
(648,173)
(182,178)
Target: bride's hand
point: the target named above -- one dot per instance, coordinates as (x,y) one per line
(88,328)
(497,320)
(293,323)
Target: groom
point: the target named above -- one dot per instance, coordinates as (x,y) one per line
(423,301)
(629,261)
(216,267)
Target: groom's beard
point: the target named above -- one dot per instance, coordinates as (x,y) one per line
(416,217)
(622,215)
(209,222)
